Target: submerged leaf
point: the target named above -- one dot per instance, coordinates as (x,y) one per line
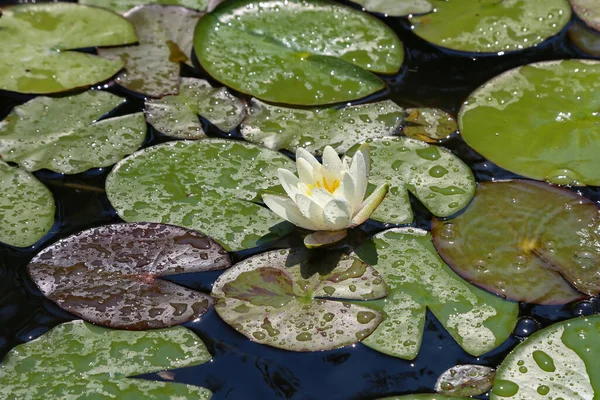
(26,207)
(165,41)
(490,26)
(429,125)
(110,275)
(60,133)
(277,127)
(558,362)
(80,360)
(206,185)
(35,39)
(121,6)
(291,52)
(588,11)
(465,380)
(281,298)
(585,39)
(396,8)
(559,141)
(522,239)
(177,116)
(417,279)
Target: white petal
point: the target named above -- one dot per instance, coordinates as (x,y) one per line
(289,181)
(347,191)
(370,204)
(321,196)
(337,214)
(305,155)
(311,210)
(332,162)
(366,153)
(305,171)
(358,170)
(288,210)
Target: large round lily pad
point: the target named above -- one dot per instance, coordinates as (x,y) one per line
(490,26)
(588,11)
(559,362)
(121,6)
(525,240)
(559,141)
(417,279)
(61,134)
(35,39)
(284,299)
(306,52)
(312,129)
(79,360)
(26,207)
(110,275)
(439,179)
(208,185)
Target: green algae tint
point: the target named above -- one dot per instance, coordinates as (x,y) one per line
(429,125)
(282,299)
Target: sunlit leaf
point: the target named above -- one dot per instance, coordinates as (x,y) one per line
(396,8)
(35,39)
(80,360)
(121,6)
(465,380)
(282,299)
(588,11)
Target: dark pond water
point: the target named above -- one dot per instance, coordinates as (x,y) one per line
(244,370)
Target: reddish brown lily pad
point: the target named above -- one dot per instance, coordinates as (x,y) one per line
(528,241)
(109,275)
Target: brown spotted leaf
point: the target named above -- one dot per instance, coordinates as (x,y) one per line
(109,275)
(428,124)
(465,380)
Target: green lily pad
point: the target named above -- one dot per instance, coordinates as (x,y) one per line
(588,11)
(396,8)
(206,185)
(417,279)
(439,179)
(26,207)
(285,300)
(489,26)
(121,6)
(80,360)
(585,39)
(34,56)
(177,116)
(558,362)
(312,129)
(559,141)
(525,240)
(292,52)
(121,265)
(429,125)
(465,380)
(61,134)
(165,41)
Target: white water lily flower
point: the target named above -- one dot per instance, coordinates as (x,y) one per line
(328,196)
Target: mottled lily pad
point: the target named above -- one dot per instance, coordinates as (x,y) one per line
(559,141)
(585,39)
(396,8)
(80,360)
(465,380)
(26,207)
(34,56)
(292,53)
(439,179)
(525,240)
(61,134)
(429,125)
(417,279)
(165,41)
(588,11)
(208,185)
(284,299)
(110,275)
(489,26)
(559,362)
(121,6)
(312,129)
(177,116)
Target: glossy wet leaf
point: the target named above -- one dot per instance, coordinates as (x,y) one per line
(60,133)
(165,41)
(439,179)
(177,115)
(418,279)
(292,53)
(429,125)
(560,361)
(26,207)
(559,140)
(209,185)
(121,6)
(490,26)
(396,8)
(34,56)
(585,39)
(285,299)
(521,238)
(588,11)
(110,275)
(80,360)
(277,127)
(465,380)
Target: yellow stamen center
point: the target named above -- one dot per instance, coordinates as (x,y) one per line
(323,183)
